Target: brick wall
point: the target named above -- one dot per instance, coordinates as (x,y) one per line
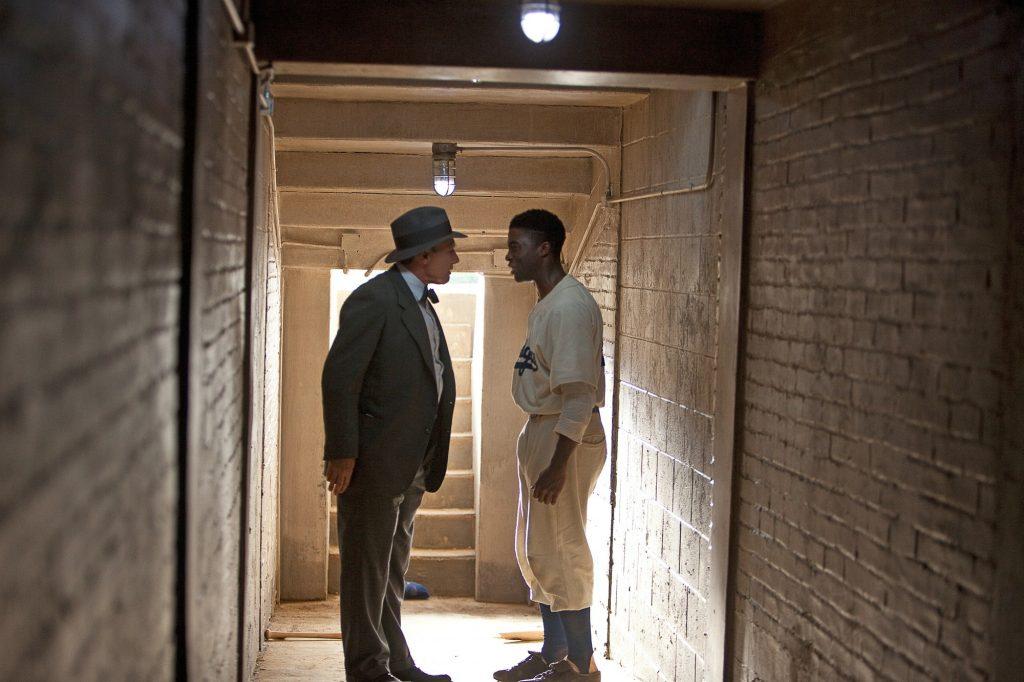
(265,368)
(217,403)
(598,272)
(90,154)
(667,346)
(875,352)
(1007,626)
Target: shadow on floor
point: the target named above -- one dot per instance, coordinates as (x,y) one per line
(455,636)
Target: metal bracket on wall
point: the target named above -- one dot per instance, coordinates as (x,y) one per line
(264,96)
(243,34)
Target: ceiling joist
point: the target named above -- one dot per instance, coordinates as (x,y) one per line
(472,215)
(338,126)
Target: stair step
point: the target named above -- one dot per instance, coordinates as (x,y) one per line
(456,308)
(460,451)
(463,368)
(445,572)
(462,419)
(460,339)
(454,489)
(457,491)
(445,529)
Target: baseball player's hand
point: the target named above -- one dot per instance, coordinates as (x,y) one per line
(550,484)
(338,473)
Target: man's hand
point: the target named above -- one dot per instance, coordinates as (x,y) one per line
(338,473)
(550,484)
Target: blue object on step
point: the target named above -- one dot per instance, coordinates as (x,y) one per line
(416,591)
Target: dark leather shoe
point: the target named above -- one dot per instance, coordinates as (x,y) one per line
(386,677)
(414,674)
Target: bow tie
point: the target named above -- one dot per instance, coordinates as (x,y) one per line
(428,294)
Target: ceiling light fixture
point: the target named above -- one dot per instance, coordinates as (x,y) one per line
(540,20)
(444,167)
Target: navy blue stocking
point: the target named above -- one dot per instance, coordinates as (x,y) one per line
(576,625)
(555,646)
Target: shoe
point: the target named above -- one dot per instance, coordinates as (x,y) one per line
(416,591)
(386,677)
(532,665)
(564,671)
(414,674)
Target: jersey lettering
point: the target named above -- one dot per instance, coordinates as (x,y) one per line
(527,361)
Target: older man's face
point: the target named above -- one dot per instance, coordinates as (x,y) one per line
(440,261)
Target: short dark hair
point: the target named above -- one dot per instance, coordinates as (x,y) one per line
(546,223)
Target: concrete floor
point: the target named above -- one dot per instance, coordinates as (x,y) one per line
(457,636)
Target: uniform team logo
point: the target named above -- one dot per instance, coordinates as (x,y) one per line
(527,361)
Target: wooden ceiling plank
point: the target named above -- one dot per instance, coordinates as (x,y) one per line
(468,214)
(357,90)
(426,122)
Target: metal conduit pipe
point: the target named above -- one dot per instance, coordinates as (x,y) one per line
(243,37)
(585,240)
(708,180)
(548,147)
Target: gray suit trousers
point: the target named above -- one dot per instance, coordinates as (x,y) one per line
(375,540)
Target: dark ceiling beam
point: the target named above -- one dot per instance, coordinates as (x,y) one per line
(486,35)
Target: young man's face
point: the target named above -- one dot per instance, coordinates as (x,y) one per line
(526,251)
(439,263)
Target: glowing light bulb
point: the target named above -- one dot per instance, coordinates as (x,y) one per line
(444,185)
(540,20)
(444,168)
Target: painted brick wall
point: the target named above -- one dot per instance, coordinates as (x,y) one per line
(667,345)
(264,459)
(261,560)
(219,281)
(598,273)
(874,348)
(90,156)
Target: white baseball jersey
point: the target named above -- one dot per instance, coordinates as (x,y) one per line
(563,346)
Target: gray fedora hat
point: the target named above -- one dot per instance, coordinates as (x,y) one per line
(418,230)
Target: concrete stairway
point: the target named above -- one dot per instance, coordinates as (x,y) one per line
(444,556)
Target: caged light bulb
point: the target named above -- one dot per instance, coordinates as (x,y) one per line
(540,20)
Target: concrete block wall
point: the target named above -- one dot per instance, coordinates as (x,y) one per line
(269,491)
(265,369)
(598,272)
(666,345)
(90,156)
(875,354)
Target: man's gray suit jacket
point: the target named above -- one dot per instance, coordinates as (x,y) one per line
(380,392)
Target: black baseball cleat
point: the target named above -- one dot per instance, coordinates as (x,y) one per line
(414,674)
